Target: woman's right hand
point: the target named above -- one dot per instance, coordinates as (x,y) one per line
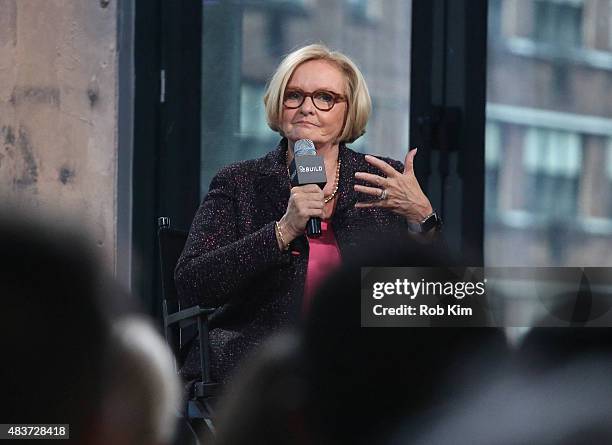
(305,202)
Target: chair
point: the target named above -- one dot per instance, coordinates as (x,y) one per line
(182,326)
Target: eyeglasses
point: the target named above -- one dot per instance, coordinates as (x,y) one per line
(322,99)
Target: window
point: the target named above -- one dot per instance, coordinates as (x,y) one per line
(493,159)
(495,24)
(558,23)
(609,160)
(252,116)
(552,161)
(367,10)
(243,42)
(548,153)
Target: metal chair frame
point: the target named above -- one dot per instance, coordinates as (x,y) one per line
(177,320)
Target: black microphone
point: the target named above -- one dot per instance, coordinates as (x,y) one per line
(308,168)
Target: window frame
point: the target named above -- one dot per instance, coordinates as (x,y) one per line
(448,60)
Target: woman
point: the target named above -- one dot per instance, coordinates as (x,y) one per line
(247,253)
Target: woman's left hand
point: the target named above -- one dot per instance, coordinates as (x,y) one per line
(398,192)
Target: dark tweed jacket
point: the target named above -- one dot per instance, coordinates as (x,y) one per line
(232,260)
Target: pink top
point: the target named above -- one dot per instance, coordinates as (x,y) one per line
(323,259)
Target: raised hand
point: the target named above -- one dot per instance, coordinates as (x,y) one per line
(398,192)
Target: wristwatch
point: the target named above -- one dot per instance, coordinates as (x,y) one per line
(430,222)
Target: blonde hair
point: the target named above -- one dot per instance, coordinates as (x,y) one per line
(144,390)
(359,104)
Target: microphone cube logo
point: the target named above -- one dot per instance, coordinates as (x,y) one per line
(307,170)
(310,169)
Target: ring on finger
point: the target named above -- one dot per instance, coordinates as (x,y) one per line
(383,195)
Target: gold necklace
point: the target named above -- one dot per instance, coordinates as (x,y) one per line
(336,179)
(336,182)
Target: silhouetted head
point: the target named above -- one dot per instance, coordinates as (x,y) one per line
(54,331)
(364,380)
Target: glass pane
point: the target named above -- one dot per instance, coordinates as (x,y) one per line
(243,42)
(549,133)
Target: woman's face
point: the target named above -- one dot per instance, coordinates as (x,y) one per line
(307,121)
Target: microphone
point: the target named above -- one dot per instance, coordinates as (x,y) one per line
(308,168)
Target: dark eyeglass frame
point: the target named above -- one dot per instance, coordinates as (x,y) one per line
(336,96)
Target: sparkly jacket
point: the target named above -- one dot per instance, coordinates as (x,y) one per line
(232,261)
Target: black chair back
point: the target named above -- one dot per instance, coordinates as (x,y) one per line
(182,326)
(171,244)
